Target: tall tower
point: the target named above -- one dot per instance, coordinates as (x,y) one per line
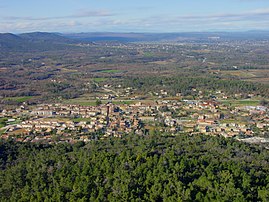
(107,114)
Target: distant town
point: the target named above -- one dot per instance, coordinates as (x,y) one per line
(54,123)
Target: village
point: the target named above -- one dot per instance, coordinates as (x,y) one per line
(54,123)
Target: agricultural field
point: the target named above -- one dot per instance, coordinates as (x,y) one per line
(252,75)
(248,102)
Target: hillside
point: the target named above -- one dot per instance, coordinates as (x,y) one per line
(45,37)
(10,41)
(32,41)
(149,168)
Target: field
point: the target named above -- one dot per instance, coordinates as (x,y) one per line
(80,101)
(2,131)
(109,71)
(3,122)
(80,119)
(99,79)
(19,99)
(241,102)
(253,75)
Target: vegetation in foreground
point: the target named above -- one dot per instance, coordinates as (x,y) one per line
(149,168)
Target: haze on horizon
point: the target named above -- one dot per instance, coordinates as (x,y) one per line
(18,16)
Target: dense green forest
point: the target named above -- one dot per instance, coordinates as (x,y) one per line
(149,168)
(185,84)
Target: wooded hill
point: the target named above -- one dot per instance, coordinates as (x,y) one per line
(149,168)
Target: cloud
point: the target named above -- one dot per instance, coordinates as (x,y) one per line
(19,27)
(254,14)
(86,13)
(84,20)
(244,20)
(78,14)
(255,19)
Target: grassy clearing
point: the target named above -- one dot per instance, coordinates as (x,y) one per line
(3,122)
(101,79)
(2,131)
(80,119)
(19,99)
(148,54)
(240,73)
(249,102)
(251,75)
(110,71)
(241,102)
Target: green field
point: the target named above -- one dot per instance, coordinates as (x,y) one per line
(241,102)
(231,121)
(2,131)
(101,79)
(110,71)
(3,122)
(80,119)
(148,54)
(19,99)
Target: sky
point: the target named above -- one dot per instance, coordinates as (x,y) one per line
(69,16)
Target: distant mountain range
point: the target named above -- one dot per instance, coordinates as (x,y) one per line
(187,36)
(45,37)
(35,40)
(44,40)
(10,40)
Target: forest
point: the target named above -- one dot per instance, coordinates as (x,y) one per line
(135,168)
(185,84)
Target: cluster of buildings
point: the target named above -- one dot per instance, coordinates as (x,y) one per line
(57,119)
(71,123)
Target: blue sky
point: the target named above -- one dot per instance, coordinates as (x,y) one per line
(133,16)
